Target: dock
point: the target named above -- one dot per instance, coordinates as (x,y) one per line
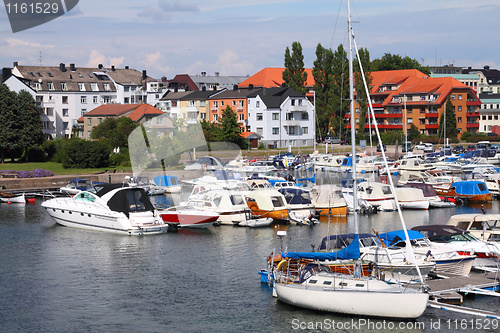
(447,293)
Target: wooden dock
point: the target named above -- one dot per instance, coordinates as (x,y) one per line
(475,280)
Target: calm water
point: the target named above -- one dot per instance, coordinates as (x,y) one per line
(59,279)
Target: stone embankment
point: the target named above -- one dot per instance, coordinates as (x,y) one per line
(53,183)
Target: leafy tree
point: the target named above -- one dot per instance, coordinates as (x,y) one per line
(210,130)
(85,154)
(413,133)
(362,99)
(114,131)
(340,99)
(394,62)
(229,129)
(31,129)
(451,121)
(294,74)
(9,130)
(323,87)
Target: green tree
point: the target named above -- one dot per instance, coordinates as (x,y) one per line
(451,121)
(413,133)
(114,131)
(340,99)
(31,129)
(394,62)
(9,130)
(361,96)
(294,74)
(229,130)
(323,88)
(85,154)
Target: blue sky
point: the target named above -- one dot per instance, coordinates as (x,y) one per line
(235,37)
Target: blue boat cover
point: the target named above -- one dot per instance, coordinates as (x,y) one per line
(392,237)
(470,187)
(295,196)
(166,181)
(349,252)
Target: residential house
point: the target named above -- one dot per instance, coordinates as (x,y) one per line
(170,103)
(282,117)
(140,113)
(489,112)
(404,97)
(236,99)
(489,79)
(196,108)
(216,82)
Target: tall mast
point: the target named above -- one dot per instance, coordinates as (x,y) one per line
(353,122)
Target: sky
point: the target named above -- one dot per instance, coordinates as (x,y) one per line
(236,37)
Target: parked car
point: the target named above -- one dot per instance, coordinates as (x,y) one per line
(420,146)
(380,147)
(470,148)
(458,149)
(407,147)
(332,139)
(428,148)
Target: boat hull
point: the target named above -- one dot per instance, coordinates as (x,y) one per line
(190,220)
(378,303)
(332,211)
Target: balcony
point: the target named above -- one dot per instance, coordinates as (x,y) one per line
(472,114)
(472,125)
(431,126)
(298,108)
(192,109)
(292,122)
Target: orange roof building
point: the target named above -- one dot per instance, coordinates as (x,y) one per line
(411,97)
(139,113)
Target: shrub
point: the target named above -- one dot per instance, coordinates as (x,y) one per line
(85,154)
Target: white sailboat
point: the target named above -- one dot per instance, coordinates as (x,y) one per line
(318,288)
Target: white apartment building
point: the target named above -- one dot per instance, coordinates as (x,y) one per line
(282,116)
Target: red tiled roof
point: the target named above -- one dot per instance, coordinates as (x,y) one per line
(270,77)
(116,110)
(144,109)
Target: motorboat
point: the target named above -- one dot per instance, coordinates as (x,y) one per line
(189,217)
(205,163)
(482,226)
(12,198)
(168,183)
(267,203)
(76,185)
(414,164)
(298,201)
(470,190)
(378,195)
(230,205)
(430,194)
(110,207)
(328,200)
(448,261)
(411,198)
(451,237)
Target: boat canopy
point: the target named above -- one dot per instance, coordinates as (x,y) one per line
(341,241)
(349,252)
(470,187)
(165,180)
(296,196)
(126,200)
(393,237)
(427,189)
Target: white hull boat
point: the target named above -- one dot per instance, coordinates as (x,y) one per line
(113,208)
(256,223)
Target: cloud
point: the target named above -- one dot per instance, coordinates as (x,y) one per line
(229,63)
(156,63)
(177,6)
(96,58)
(14,42)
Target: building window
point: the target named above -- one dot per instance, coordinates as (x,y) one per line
(83,111)
(459,119)
(234,103)
(484,117)
(203,103)
(259,116)
(215,117)
(95,99)
(50,111)
(241,117)
(260,130)
(276,116)
(99,120)
(65,125)
(276,130)
(50,85)
(452,96)
(65,99)
(203,116)
(257,104)
(305,130)
(38,86)
(240,104)
(291,130)
(89,121)
(459,107)
(214,104)
(81,86)
(459,97)
(496,117)
(126,100)
(64,86)
(65,112)
(107,87)
(94,87)
(106,99)
(83,99)
(289,116)
(305,116)
(490,117)
(410,120)
(221,103)
(126,88)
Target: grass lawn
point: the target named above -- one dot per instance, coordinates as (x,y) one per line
(57,168)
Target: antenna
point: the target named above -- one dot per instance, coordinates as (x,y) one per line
(40,58)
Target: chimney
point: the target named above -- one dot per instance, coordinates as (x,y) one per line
(144,76)
(126,67)
(113,68)
(216,73)
(235,87)
(250,86)
(486,68)
(62,67)
(100,66)
(204,88)
(164,79)
(15,64)
(203,73)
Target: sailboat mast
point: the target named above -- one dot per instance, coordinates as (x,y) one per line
(353,122)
